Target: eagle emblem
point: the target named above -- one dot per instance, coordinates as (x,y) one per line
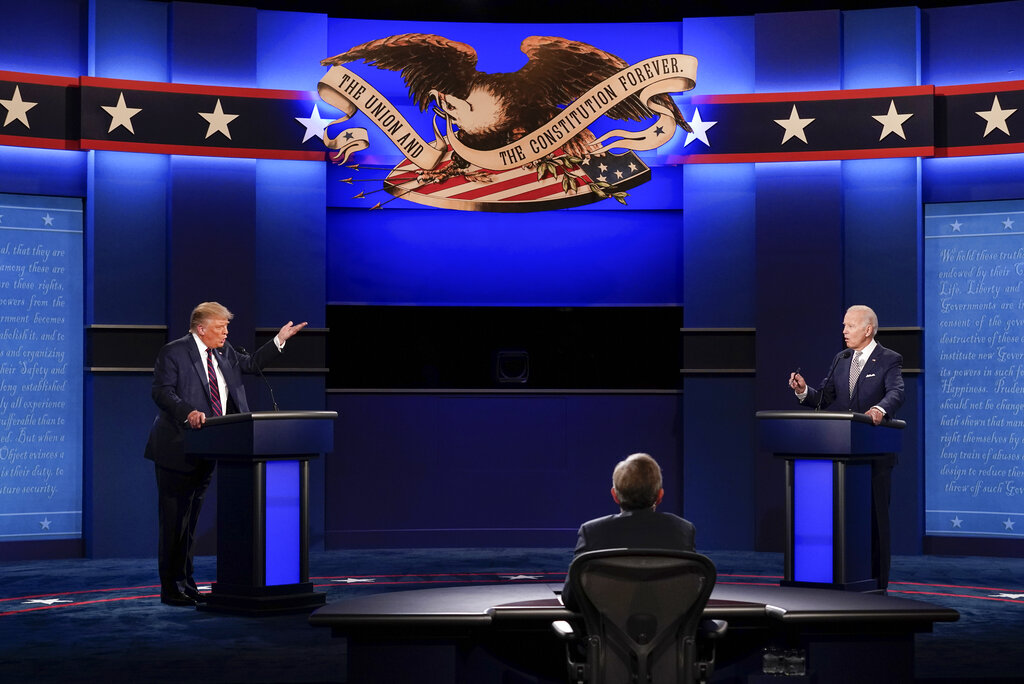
(517,141)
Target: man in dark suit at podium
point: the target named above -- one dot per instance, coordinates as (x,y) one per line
(864,378)
(636,488)
(195,376)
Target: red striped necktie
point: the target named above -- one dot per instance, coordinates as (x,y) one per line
(214,385)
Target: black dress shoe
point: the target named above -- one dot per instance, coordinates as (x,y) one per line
(177,599)
(193,594)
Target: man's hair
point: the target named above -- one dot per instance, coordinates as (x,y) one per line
(637,481)
(208,311)
(869,316)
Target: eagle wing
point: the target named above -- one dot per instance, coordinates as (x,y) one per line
(560,70)
(426,62)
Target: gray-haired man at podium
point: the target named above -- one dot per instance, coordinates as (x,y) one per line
(864,378)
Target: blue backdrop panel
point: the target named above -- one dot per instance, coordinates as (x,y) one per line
(973,43)
(120,485)
(445,257)
(290,47)
(211,254)
(45,37)
(40,368)
(213,44)
(882,48)
(974,273)
(719,246)
(799,315)
(290,242)
(722,46)
(882,237)
(959,179)
(139,54)
(42,172)
(798,51)
(718,457)
(487,470)
(127,222)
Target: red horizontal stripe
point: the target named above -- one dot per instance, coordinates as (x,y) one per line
(811,95)
(47,143)
(195,150)
(973,88)
(824,155)
(971,150)
(192,89)
(39,79)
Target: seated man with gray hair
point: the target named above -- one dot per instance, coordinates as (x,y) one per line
(637,489)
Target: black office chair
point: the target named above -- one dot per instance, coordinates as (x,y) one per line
(642,611)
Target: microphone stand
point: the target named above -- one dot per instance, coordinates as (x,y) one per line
(260,372)
(835,362)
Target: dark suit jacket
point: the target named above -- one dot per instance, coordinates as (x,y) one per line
(643,529)
(180,385)
(880,384)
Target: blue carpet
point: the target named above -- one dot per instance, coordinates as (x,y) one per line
(101,620)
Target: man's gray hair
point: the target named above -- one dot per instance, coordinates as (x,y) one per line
(869,316)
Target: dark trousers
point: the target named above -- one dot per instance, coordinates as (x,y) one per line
(881,492)
(180,500)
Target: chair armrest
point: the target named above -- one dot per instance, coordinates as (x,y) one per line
(564,630)
(713,629)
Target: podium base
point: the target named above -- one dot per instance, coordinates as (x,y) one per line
(273,600)
(861,586)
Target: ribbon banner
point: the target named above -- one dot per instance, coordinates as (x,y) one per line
(649,78)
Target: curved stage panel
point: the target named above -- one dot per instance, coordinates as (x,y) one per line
(494,632)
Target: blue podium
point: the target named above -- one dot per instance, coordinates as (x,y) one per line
(829,459)
(262,507)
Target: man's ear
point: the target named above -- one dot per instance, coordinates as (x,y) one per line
(661,493)
(615,495)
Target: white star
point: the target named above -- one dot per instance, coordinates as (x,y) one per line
(47,602)
(17,108)
(218,121)
(996,118)
(602,168)
(354,580)
(602,178)
(1009,596)
(957,522)
(1008,223)
(955,225)
(314,125)
(47,220)
(700,129)
(1008,524)
(618,174)
(522,577)
(45,523)
(632,167)
(121,115)
(794,126)
(892,121)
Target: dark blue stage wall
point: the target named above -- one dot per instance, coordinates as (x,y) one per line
(766,250)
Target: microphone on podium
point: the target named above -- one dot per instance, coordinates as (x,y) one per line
(835,362)
(259,370)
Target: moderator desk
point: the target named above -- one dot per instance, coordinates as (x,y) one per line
(464,635)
